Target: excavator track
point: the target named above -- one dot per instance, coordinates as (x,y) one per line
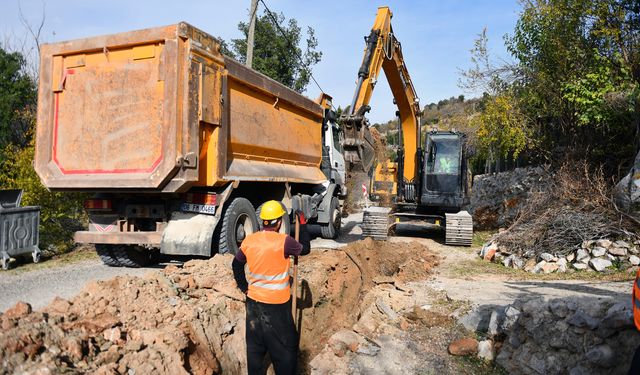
(375,223)
(459,229)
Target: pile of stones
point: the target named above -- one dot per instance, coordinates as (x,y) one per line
(596,255)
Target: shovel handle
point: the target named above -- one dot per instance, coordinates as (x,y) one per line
(294,302)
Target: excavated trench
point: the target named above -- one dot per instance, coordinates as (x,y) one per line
(190,319)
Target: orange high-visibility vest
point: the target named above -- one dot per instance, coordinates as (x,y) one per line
(268,268)
(636,300)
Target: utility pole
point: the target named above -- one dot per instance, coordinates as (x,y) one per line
(252,29)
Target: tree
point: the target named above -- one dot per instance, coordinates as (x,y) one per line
(17,99)
(577,61)
(575,81)
(276,55)
(502,130)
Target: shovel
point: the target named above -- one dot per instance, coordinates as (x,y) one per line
(294,303)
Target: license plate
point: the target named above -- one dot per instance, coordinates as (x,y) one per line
(198,208)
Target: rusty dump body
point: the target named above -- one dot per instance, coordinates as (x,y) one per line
(162,110)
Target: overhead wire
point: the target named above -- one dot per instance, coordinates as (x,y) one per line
(291,46)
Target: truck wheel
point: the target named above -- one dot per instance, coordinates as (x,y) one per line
(286,221)
(106,255)
(331,230)
(131,256)
(239,221)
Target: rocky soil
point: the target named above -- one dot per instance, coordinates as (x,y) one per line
(359,307)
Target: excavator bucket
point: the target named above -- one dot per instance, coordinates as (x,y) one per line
(358,144)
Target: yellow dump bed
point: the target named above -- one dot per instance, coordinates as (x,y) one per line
(162,110)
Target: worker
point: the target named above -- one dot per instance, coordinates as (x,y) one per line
(269,325)
(635,303)
(445,164)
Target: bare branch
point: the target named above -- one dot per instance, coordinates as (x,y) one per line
(34,31)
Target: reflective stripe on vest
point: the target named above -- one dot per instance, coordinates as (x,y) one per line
(636,300)
(268,267)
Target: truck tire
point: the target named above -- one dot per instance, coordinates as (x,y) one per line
(106,255)
(286,221)
(131,256)
(331,230)
(238,221)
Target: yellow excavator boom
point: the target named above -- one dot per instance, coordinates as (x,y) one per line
(384,51)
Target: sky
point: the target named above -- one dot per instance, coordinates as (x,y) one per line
(436,35)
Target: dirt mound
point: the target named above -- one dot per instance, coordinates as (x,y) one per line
(190,319)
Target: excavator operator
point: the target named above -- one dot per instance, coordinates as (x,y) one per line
(270,327)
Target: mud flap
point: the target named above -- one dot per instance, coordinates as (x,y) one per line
(188,234)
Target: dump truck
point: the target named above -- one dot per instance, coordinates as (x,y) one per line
(179,145)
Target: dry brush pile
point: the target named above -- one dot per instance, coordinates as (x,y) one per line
(567,213)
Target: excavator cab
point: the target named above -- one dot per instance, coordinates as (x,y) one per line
(444,178)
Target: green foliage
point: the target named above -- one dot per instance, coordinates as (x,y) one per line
(61,213)
(502,130)
(590,94)
(276,55)
(17,94)
(577,60)
(573,87)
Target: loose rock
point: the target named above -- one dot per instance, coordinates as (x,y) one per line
(598,251)
(604,243)
(618,251)
(18,310)
(464,346)
(485,350)
(600,264)
(582,254)
(548,257)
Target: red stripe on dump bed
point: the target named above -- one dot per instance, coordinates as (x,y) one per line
(90,171)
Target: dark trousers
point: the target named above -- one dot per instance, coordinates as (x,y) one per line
(635,363)
(270,329)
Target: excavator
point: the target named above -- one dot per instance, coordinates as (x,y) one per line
(427,186)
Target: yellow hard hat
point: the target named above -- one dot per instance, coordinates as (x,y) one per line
(271,210)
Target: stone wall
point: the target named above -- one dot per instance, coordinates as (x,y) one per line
(573,335)
(496,198)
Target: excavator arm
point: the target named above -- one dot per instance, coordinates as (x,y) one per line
(384,51)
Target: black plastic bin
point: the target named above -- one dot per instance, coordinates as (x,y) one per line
(19,233)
